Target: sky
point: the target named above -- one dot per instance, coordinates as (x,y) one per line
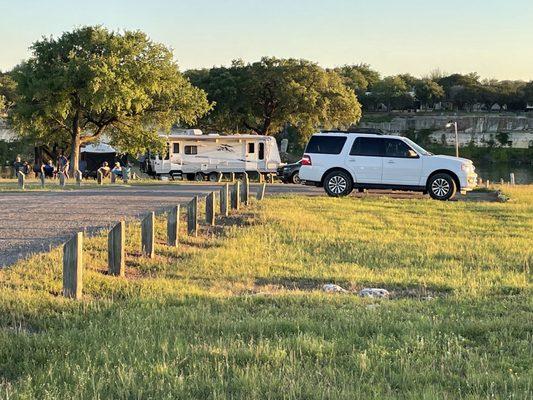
(493,38)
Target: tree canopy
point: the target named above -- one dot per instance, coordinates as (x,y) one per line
(92,81)
(262,97)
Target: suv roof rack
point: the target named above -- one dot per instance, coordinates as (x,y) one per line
(367,131)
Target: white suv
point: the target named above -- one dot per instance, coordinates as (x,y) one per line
(341,161)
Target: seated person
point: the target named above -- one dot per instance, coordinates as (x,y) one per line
(104,169)
(49,169)
(117,170)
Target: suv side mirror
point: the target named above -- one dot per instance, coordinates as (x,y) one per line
(412,154)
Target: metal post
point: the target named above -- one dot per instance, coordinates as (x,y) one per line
(456,140)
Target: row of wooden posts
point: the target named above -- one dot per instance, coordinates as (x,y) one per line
(100,178)
(61,176)
(502,181)
(73,249)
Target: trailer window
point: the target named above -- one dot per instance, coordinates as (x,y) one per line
(191,149)
(261,151)
(251,148)
(176,148)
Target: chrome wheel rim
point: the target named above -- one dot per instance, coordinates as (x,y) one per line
(337,184)
(296,178)
(440,187)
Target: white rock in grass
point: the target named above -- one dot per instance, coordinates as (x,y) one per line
(332,288)
(374,292)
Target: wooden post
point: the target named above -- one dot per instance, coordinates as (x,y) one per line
(147,235)
(126,174)
(192,217)
(224,200)
(42,178)
(115,249)
(261,192)
(113,177)
(232,177)
(99,177)
(210,209)
(73,267)
(245,190)
(79,176)
(511,178)
(271,178)
(61,179)
(261,177)
(236,196)
(21,179)
(487,183)
(173,225)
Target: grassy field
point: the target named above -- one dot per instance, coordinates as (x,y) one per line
(238,312)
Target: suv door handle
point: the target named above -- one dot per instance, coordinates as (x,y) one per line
(391,162)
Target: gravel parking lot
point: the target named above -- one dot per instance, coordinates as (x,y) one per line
(34,221)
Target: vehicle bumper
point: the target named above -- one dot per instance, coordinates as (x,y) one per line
(468,182)
(311,173)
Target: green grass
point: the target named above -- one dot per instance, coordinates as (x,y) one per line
(238,311)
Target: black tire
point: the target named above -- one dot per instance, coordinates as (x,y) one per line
(213,177)
(199,177)
(338,184)
(295,178)
(442,187)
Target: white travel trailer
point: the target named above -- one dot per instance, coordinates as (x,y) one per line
(194,155)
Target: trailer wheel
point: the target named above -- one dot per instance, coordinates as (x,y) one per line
(213,177)
(199,177)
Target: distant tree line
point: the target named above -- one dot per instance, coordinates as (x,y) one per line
(457,92)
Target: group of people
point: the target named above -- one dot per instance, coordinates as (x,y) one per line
(48,169)
(117,170)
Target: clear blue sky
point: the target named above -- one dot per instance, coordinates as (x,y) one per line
(492,37)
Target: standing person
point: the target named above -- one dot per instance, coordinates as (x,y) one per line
(62,164)
(17,166)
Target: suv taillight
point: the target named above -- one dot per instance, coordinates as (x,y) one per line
(306,160)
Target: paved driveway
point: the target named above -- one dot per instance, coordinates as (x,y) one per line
(34,221)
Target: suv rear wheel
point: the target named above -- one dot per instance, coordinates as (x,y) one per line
(442,187)
(338,184)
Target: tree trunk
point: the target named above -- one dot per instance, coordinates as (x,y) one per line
(75,141)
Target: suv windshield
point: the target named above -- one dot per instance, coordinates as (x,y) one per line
(418,148)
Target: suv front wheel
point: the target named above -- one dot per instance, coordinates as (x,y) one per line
(442,187)
(338,184)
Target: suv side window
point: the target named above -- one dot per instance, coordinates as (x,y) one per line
(396,148)
(369,147)
(325,144)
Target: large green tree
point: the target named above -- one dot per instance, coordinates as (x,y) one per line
(91,82)
(264,96)
(8,95)
(428,91)
(389,89)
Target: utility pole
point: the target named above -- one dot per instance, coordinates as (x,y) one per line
(454,124)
